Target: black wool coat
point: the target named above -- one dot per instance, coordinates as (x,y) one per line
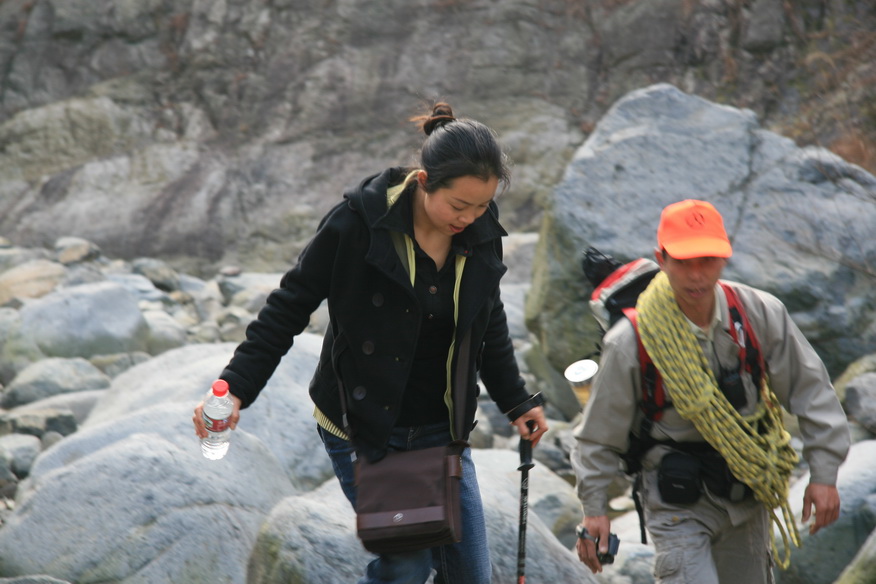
(375,318)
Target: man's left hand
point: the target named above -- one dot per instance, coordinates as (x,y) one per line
(826,500)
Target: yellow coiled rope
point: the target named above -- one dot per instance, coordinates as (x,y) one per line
(756,447)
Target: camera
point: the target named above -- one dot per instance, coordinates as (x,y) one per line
(730,383)
(613,545)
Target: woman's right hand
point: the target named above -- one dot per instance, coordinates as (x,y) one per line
(198,417)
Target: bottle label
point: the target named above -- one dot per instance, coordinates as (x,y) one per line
(215,425)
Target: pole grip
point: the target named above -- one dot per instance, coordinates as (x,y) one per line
(526,449)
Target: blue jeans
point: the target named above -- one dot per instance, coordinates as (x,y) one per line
(466,562)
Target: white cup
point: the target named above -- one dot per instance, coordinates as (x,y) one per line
(580,375)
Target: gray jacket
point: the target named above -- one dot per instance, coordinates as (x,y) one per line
(796,373)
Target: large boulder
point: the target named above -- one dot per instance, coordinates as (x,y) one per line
(860,402)
(309,537)
(50,377)
(135,501)
(799,218)
(130,495)
(86,320)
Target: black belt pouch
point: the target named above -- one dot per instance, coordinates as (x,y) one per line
(720,481)
(679,478)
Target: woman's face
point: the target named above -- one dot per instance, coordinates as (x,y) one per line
(450,210)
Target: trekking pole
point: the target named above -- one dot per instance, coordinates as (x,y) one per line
(525,464)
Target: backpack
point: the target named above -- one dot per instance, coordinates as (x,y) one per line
(616,288)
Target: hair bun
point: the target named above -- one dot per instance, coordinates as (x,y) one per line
(441,114)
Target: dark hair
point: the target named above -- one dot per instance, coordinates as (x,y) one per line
(458,147)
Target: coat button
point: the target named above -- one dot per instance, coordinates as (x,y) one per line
(368,347)
(359,393)
(377,300)
(433,289)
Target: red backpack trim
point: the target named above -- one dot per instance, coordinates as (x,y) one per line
(622,276)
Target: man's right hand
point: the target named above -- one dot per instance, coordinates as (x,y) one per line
(599,528)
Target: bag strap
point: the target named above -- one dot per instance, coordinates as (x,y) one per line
(459,382)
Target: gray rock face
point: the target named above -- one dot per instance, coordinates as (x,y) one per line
(33,580)
(225,130)
(120,492)
(799,219)
(861,400)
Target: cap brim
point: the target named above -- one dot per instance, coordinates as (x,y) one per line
(699,247)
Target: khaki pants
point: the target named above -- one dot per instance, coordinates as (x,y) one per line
(712,541)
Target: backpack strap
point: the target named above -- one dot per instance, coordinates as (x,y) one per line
(742,332)
(653,395)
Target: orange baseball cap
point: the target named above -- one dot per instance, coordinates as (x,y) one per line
(693,229)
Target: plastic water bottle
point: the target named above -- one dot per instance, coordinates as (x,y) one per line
(217,409)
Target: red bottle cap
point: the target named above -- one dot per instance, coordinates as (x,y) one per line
(220,387)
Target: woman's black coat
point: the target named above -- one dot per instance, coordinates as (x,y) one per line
(375,318)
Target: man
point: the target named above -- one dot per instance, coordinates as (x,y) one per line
(708,475)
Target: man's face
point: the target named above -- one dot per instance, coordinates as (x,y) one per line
(692,280)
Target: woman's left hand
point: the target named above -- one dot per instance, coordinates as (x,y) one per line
(536,414)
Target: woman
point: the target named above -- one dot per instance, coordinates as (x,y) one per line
(410,262)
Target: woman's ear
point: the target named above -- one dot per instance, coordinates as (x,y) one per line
(422,176)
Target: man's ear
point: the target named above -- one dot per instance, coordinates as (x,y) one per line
(658,255)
